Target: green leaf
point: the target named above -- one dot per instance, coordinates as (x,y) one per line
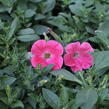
(77,9)
(14,26)
(51,98)
(17,104)
(40,29)
(32,99)
(35,1)
(48,68)
(86,98)
(4,100)
(48,5)
(60,22)
(101,59)
(66,75)
(6,80)
(27,38)
(64,96)
(8,90)
(29,13)
(103,93)
(8,3)
(40,17)
(7,70)
(26,31)
(103,29)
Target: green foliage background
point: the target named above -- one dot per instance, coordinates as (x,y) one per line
(24,21)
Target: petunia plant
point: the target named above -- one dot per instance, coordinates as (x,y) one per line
(54,54)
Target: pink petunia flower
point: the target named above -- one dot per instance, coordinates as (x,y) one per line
(45,53)
(77,56)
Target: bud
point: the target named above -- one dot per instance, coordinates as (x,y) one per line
(28,55)
(42,82)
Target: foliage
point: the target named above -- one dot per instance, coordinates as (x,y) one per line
(22,22)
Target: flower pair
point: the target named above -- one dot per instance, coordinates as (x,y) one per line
(50,52)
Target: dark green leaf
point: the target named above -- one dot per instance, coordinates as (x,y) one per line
(29,13)
(26,31)
(39,16)
(17,104)
(48,5)
(86,98)
(40,29)
(103,93)
(27,38)
(32,99)
(66,75)
(14,26)
(64,96)
(51,98)
(6,80)
(101,59)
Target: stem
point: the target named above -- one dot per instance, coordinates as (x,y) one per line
(82,78)
(45,36)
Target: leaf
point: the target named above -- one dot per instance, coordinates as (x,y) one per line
(27,38)
(77,9)
(40,29)
(86,98)
(40,17)
(18,104)
(60,22)
(48,68)
(57,21)
(29,13)
(66,75)
(103,93)
(7,70)
(8,90)
(101,59)
(103,29)
(6,80)
(48,5)
(14,26)
(4,100)
(8,3)
(51,98)
(26,31)
(32,99)
(35,1)
(64,96)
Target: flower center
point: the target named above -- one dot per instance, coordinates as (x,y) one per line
(47,55)
(76,54)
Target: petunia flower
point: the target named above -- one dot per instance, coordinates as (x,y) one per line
(47,52)
(77,56)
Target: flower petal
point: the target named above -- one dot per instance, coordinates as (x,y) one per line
(68,60)
(55,47)
(72,47)
(35,60)
(76,68)
(88,61)
(58,63)
(38,47)
(85,46)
